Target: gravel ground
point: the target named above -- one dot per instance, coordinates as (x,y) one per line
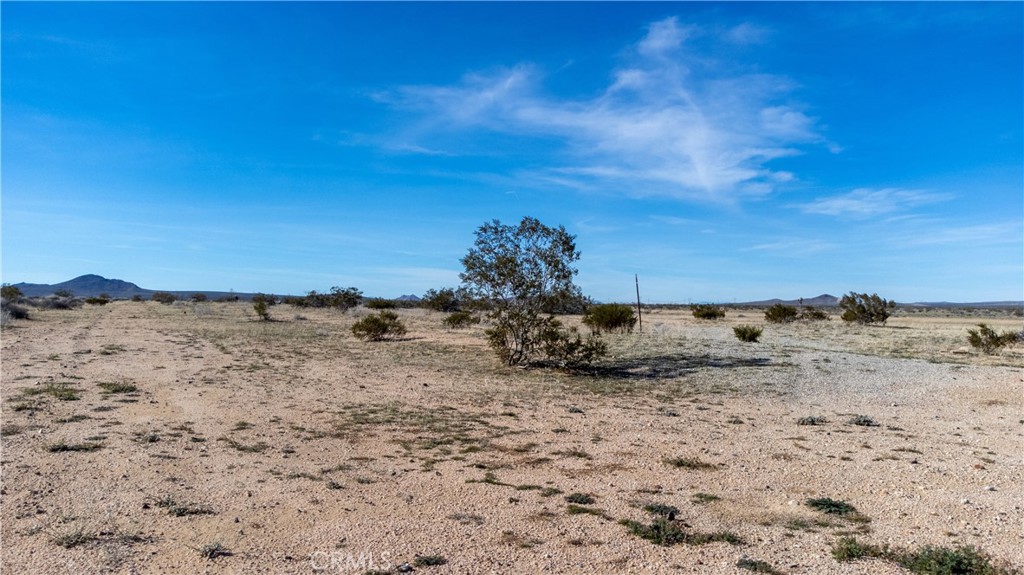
(302,450)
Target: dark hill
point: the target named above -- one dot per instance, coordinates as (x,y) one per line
(89,285)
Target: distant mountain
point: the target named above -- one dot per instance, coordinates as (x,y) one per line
(92,285)
(89,285)
(823,300)
(408,298)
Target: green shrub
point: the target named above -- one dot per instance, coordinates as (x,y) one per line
(747,333)
(809,313)
(97,300)
(381,326)
(567,349)
(9,292)
(342,299)
(380,303)
(164,297)
(260,307)
(460,319)
(198,297)
(780,313)
(443,300)
(928,560)
(707,311)
(610,317)
(988,341)
(863,308)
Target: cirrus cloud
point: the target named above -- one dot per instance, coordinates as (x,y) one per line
(671,122)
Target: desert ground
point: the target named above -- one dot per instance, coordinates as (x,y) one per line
(193,438)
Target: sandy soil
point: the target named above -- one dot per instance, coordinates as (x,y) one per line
(143,438)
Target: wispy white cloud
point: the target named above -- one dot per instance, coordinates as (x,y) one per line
(747,33)
(794,247)
(671,122)
(980,234)
(870,202)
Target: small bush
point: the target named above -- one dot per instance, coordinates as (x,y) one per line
(863,308)
(864,421)
(138,298)
(757,566)
(932,560)
(379,327)
(811,314)
(780,313)
(57,301)
(660,532)
(661,510)
(928,560)
(690,463)
(198,297)
(610,317)
(214,550)
(849,549)
(164,297)
(707,311)
(567,349)
(747,333)
(460,319)
(12,309)
(102,299)
(988,341)
(580,498)
(811,420)
(260,307)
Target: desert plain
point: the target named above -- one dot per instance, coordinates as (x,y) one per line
(194,438)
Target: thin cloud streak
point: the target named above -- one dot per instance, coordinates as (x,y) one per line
(868,202)
(671,123)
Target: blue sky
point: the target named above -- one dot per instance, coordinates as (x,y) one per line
(722,151)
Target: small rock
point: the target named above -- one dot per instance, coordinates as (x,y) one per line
(990,488)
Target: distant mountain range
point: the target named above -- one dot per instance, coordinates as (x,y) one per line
(823,300)
(92,285)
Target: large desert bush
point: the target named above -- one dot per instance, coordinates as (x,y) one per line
(864,308)
(781,313)
(522,273)
(164,297)
(610,317)
(341,299)
(461,319)
(987,340)
(10,293)
(378,327)
(707,311)
(747,333)
(443,300)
